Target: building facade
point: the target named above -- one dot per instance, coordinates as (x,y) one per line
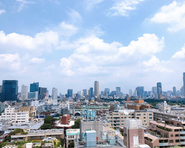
(96,89)
(24,92)
(159,90)
(9,90)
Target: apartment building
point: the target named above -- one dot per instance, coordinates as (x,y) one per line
(71,135)
(165,134)
(137,105)
(16,117)
(31,109)
(117,119)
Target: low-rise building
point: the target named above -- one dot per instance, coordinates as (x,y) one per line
(71,135)
(16,117)
(138,105)
(31,109)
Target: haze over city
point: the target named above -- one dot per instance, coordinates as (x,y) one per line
(71,44)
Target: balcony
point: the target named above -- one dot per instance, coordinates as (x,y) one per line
(163,144)
(183,143)
(182,137)
(182,132)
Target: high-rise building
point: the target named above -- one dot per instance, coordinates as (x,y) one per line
(118,91)
(96,89)
(34,87)
(0,92)
(140,91)
(184,82)
(130,92)
(159,90)
(42,92)
(70,93)
(154,90)
(9,90)
(24,92)
(85,92)
(174,91)
(107,91)
(90,92)
(54,93)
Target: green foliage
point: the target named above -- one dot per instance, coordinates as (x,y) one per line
(37,146)
(77,124)
(19,131)
(8,138)
(46,126)
(71,144)
(62,142)
(48,122)
(164,128)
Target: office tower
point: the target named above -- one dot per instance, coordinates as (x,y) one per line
(130,92)
(159,90)
(70,93)
(0,92)
(42,92)
(54,93)
(102,93)
(174,91)
(90,92)
(24,92)
(140,91)
(96,89)
(34,87)
(85,92)
(118,91)
(9,90)
(135,93)
(154,90)
(184,84)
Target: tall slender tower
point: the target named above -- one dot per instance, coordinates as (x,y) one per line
(159,90)
(24,92)
(184,82)
(96,89)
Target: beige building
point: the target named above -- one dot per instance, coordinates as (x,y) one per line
(117,119)
(31,109)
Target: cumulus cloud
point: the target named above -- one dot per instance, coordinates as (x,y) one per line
(95,56)
(90,4)
(2,11)
(122,7)
(180,54)
(10,61)
(37,60)
(172,14)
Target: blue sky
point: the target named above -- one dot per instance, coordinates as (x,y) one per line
(71,44)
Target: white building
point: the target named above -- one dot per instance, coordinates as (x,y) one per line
(16,117)
(54,93)
(164,107)
(24,92)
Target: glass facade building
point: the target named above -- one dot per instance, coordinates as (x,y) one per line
(9,90)
(159,90)
(69,93)
(34,87)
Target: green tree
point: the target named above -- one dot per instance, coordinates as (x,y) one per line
(71,144)
(48,120)
(46,126)
(62,142)
(8,138)
(77,124)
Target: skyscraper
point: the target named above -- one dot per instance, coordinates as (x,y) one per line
(96,89)
(130,92)
(184,82)
(154,90)
(85,92)
(34,87)
(54,93)
(0,92)
(70,93)
(90,92)
(159,90)
(107,91)
(42,92)
(9,90)
(118,91)
(24,92)
(140,91)
(174,91)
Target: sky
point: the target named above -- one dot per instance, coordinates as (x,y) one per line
(69,44)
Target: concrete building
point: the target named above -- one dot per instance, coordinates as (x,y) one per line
(30,109)
(65,122)
(117,119)
(133,133)
(130,92)
(174,91)
(165,134)
(137,105)
(96,89)
(118,91)
(24,92)
(71,135)
(90,125)
(159,90)
(163,107)
(54,93)
(15,117)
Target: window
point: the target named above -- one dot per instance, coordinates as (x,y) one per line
(171,135)
(171,141)
(176,141)
(138,114)
(150,114)
(144,120)
(144,117)
(150,117)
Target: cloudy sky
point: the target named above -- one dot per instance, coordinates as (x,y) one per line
(71,43)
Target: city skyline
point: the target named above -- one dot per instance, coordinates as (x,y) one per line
(71,44)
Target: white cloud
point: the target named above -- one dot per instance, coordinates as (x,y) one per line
(66,29)
(23,4)
(94,56)
(172,14)
(10,61)
(122,7)
(90,4)
(180,54)
(2,11)
(37,60)
(75,17)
